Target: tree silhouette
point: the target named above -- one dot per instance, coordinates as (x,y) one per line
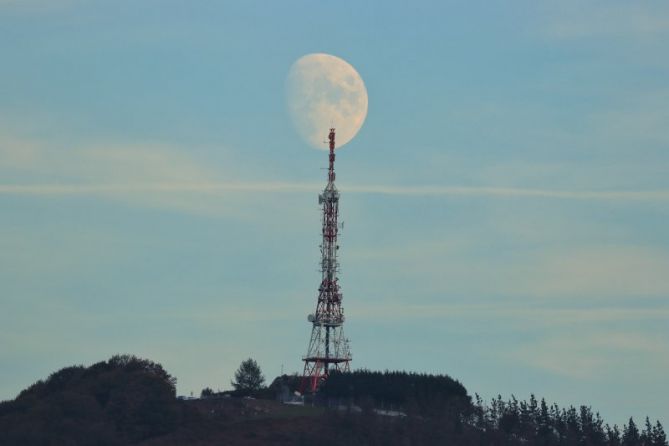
(206,393)
(631,434)
(248,377)
(120,401)
(659,437)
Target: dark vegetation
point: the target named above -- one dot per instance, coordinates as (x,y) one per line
(127,400)
(420,393)
(516,422)
(482,427)
(248,378)
(119,401)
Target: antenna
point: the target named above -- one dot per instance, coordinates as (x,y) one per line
(328,348)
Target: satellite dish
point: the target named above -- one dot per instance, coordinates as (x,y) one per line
(311,318)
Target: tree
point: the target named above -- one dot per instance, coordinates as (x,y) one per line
(659,437)
(248,377)
(613,435)
(206,393)
(647,434)
(631,434)
(124,400)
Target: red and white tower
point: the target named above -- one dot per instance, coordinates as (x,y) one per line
(328,347)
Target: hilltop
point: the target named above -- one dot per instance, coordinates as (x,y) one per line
(128,400)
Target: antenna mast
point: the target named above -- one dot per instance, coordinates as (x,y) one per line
(328,348)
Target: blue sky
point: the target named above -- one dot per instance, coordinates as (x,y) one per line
(505,203)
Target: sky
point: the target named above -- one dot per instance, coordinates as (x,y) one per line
(505,202)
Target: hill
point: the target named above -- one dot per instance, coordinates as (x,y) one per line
(128,400)
(119,401)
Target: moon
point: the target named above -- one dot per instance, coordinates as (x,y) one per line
(324,91)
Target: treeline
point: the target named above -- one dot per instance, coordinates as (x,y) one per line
(439,411)
(500,423)
(531,422)
(396,389)
(120,401)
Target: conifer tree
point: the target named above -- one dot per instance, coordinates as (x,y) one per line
(631,434)
(613,435)
(647,434)
(659,437)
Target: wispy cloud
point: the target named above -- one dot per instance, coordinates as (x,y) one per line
(32,6)
(510,192)
(560,262)
(589,356)
(168,176)
(639,116)
(578,19)
(95,189)
(595,271)
(147,174)
(509,311)
(278,186)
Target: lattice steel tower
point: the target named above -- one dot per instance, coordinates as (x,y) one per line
(328,347)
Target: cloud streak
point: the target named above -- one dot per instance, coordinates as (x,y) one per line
(577,20)
(590,355)
(293,187)
(536,316)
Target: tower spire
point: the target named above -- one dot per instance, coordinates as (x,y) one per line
(328,348)
(331,172)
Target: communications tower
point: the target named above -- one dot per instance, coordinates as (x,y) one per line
(328,347)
